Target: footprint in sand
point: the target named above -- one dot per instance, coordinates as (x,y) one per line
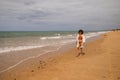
(104,76)
(32,70)
(118,78)
(38,67)
(42,64)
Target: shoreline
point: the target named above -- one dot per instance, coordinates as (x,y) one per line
(55,63)
(39,53)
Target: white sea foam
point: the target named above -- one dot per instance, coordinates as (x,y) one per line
(54,37)
(19,48)
(57,34)
(92,34)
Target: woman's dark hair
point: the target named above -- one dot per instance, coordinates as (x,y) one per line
(81,31)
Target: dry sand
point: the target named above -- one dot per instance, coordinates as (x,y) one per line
(100,62)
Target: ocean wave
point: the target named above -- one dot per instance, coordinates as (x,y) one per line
(55,37)
(92,34)
(19,48)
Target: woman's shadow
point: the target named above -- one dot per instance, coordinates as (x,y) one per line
(80,54)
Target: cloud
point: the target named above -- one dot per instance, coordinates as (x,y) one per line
(63,13)
(33,14)
(29,3)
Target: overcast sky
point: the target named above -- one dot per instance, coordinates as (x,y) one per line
(59,14)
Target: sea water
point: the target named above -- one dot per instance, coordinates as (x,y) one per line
(22,40)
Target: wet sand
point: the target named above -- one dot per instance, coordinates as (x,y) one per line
(101,61)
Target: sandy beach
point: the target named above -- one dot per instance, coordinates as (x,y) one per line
(101,61)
